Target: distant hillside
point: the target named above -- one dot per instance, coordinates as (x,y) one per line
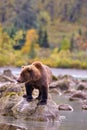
(58,17)
(70,10)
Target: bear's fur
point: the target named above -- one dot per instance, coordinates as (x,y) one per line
(38,76)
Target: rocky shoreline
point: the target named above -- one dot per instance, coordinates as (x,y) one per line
(13,104)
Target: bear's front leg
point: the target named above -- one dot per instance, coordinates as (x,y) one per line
(44,97)
(29,89)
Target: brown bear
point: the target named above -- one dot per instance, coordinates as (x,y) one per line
(38,76)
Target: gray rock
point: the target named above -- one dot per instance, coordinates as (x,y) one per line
(7,126)
(13,104)
(7,76)
(78,95)
(84,105)
(82,86)
(30,110)
(62,85)
(65,107)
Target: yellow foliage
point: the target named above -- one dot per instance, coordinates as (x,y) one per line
(31,37)
(19,35)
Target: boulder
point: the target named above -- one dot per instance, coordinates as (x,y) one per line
(84,105)
(13,104)
(30,111)
(65,107)
(7,126)
(10,88)
(7,76)
(64,83)
(55,91)
(8,73)
(82,86)
(78,95)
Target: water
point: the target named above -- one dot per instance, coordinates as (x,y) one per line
(78,73)
(74,120)
(31,125)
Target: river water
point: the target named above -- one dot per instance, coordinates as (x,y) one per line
(78,73)
(74,120)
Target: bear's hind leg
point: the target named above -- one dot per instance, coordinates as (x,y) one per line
(44,97)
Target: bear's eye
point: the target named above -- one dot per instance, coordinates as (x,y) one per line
(22,75)
(29,71)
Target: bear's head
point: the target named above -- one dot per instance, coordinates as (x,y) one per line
(30,73)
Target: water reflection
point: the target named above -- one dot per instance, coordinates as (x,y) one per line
(30,125)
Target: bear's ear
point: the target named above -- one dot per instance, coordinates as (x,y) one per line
(22,67)
(37,64)
(29,69)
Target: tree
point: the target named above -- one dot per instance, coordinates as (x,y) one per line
(43,38)
(72,42)
(19,38)
(65,44)
(31,40)
(6,43)
(6,48)
(32,52)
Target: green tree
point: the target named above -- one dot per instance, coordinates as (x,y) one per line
(43,38)
(32,52)
(72,42)
(65,44)
(19,38)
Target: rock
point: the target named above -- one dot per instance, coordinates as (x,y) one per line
(64,83)
(55,91)
(78,95)
(8,73)
(84,105)
(7,102)
(54,78)
(67,78)
(13,104)
(82,86)
(4,78)
(65,107)
(70,92)
(10,88)
(8,126)
(30,110)
(10,94)
(7,76)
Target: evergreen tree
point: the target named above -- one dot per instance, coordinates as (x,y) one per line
(72,43)
(43,38)
(40,34)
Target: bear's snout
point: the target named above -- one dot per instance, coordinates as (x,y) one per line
(19,80)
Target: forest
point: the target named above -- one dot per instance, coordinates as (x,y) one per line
(53,32)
